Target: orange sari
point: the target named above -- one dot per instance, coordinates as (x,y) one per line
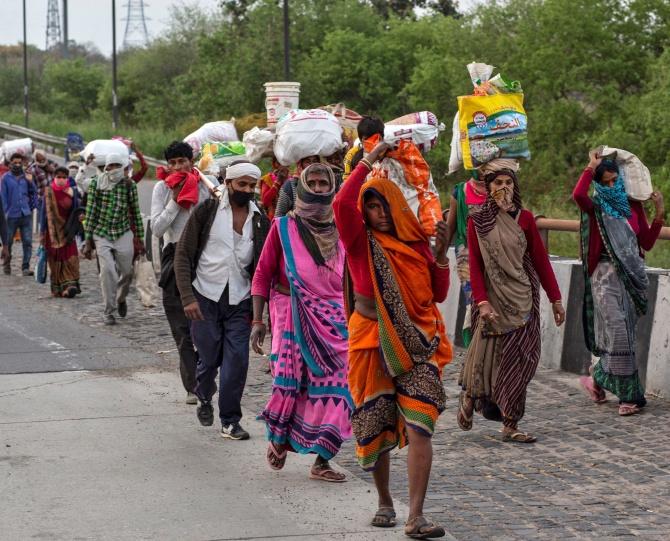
(396,361)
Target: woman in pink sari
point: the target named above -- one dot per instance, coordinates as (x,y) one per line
(301,269)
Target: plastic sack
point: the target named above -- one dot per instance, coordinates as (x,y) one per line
(145,282)
(421,128)
(492,126)
(100,148)
(22,146)
(220,131)
(214,156)
(306,132)
(456,154)
(407,168)
(41,265)
(636,176)
(347,118)
(258,144)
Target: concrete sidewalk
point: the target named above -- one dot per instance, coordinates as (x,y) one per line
(91,455)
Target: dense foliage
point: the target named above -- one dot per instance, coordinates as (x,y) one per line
(593,71)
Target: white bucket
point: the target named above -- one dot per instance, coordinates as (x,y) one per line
(279,99)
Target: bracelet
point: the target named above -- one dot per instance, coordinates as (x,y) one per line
(442,266)
(366,163)
(559,301)
(483,302)
(258,322)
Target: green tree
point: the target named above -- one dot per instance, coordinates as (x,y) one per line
(72,88)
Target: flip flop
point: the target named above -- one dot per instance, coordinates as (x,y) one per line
(628,409)
(518,437)
(597,395)
(327,474)
(464,421)
(384,518)
(279,458)
(422,528)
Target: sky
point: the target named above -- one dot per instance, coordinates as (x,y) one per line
(90,20)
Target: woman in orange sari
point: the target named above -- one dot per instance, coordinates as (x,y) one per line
(397,340)
(60,217)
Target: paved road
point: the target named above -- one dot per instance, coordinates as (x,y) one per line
(592,475)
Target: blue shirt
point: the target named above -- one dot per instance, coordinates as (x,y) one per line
(16,195)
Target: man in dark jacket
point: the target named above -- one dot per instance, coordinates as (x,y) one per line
(214,263)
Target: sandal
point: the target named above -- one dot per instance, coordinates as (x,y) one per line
(596,394)
(626,409)
(422,528)
(384,517)
(462,418)
(276,459)
(518,437)
(323,472)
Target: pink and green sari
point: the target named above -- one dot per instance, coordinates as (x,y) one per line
(310,406)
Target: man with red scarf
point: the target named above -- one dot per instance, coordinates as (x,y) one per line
(174,197)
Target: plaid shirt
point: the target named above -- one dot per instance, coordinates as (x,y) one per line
(40,177)
(109,213)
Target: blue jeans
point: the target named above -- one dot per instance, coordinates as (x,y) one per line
(222,341)
(24,225)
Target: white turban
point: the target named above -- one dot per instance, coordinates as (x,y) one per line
(243,169)
(117,159)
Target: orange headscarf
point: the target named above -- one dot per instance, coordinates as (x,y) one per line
(399,271)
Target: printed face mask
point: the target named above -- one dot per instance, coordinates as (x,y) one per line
(503,197)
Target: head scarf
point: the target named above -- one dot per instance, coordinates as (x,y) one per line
(496,165)
(109,179)
(485,219)
(242,169)
(313,214)
(613,200)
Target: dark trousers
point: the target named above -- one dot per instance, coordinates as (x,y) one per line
(24,225)
(222,340)
(179,324)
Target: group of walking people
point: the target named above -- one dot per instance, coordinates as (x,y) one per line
(351,284)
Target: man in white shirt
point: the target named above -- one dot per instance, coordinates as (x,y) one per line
(173,200)
(214,264)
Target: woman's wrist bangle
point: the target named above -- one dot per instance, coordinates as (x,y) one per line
(258,322)
(442,265)
(366,163)
(559,301)
(481,303)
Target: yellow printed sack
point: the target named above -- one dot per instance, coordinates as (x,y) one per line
(492,126)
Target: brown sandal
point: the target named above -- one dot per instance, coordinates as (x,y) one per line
(276,459)
(323,472)
(518,437)
(384,518)
(422,528)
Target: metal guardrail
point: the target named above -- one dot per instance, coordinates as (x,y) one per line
(53,141)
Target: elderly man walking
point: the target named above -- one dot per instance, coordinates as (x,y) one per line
(112,202)
(214,263)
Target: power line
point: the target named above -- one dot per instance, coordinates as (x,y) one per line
(136,34)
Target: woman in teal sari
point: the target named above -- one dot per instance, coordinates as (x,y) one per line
(614,233)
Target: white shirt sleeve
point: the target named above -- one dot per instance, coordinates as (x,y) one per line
(162,214)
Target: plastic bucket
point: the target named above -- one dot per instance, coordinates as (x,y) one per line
(279,99)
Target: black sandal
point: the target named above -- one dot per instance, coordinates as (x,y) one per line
(384,517)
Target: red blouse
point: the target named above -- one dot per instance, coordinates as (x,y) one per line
(351,225)
(646,236)
(535,247)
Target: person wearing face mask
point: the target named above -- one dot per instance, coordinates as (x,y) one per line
(214,264)
(59,225)
(288,191)
(466,199)
(614,233)
(112,201)
(174,199)
(42,170)
(18,193)
(508,264)
(300,272)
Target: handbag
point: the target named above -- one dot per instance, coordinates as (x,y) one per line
(41,266)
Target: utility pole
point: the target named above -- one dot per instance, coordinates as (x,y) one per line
(66,37)
(115,103)
(287,44)
(25,67)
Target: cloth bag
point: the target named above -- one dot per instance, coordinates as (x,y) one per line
(145,282)
(41,266)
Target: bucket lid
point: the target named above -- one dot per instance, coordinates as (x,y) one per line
(282,83)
